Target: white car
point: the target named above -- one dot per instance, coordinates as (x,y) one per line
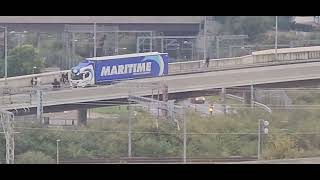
(198,100)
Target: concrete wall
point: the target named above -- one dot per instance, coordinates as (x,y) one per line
(24,81)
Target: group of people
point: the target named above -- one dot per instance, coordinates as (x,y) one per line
(35,81)
(64,77)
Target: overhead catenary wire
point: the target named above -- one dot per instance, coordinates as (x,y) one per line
(158,132)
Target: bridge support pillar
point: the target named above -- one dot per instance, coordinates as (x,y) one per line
(249,96)
(82,116)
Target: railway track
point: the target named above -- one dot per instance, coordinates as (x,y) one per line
(164,160)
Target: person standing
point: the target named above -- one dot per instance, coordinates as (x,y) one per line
(207,62)
(211,109)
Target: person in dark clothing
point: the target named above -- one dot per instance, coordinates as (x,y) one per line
(207,62)
(56,83)
(35,81)
(67,78)
(32,82)
(63,78)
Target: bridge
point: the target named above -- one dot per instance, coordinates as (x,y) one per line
(66,98)
(185,79)
(256,59)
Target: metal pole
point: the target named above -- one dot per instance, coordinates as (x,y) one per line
(223,97)
(162,45)
(217,41)
(192,52)
(58,140)
(73,49)
(158,103)
(94,38)
(252,98)
(138,45)
(151,41)
(259,139)
(5,55)
(276,39)
(205,38)
(184,138)
(39,103)
(129,132)
(116,39)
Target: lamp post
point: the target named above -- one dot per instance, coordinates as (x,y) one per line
(94,39)
(5,54)
(276,40)
(58,140)
(205,38)
(34,68)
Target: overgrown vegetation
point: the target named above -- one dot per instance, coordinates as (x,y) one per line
(21,61)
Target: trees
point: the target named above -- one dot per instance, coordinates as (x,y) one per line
(21,61)
(252,25)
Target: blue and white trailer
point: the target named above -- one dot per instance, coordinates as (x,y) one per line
(107,69)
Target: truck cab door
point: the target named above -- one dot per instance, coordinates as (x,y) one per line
(87,78)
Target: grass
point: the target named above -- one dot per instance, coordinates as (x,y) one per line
(111,110)
(217,99)
(213,99)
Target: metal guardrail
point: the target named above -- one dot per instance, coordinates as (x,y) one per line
(265,107)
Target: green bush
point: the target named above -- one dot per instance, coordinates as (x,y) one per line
(281,146)
(34,157)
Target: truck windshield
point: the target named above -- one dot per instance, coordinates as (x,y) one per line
(77,77)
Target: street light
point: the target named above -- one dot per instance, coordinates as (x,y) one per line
(5,54)
(58,140)
(205,38)
(276,40)
(34,67)
(94,38)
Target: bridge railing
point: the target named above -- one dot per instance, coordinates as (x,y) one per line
(25,81)
(198,66)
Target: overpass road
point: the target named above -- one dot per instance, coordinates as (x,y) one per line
(176,84)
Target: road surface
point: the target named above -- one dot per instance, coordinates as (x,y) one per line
(203,108)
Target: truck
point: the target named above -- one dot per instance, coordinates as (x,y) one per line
(109,69)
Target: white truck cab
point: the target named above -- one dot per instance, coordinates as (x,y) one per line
(82,75)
